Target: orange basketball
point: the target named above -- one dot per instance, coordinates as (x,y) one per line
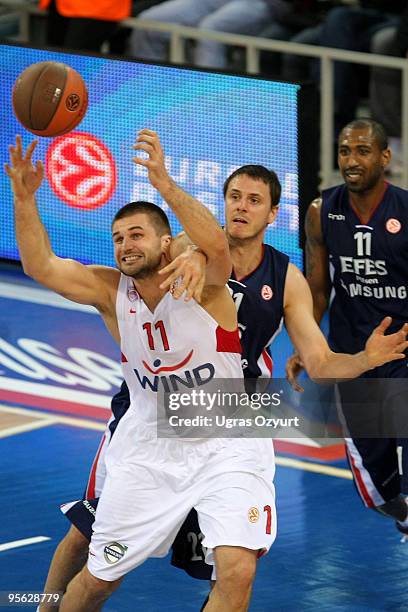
(49,98)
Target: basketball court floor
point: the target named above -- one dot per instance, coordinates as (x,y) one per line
(58,370)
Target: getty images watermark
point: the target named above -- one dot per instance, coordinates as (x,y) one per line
(361,408)
(224,399)
(218,411)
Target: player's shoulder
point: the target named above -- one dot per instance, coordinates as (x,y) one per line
(333,197)
(319,204)
(295,284)
(315,208)
(271,253)
(105,272)
(397,191)
(316,203)
(106,275)
(335,189)
(294,271)
(313,220)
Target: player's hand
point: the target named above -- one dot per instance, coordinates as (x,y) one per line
(189,267)
(294,367)
(24,176)
(381,348)
(149,142)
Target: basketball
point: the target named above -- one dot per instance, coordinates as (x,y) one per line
(49,98)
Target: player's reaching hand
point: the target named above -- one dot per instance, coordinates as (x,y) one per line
(149,142)
(294,367)
(198,222)
(24,176)
(189,267)
(381,348)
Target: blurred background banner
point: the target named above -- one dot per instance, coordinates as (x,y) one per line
(209,124)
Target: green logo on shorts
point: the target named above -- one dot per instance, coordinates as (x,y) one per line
(114,552)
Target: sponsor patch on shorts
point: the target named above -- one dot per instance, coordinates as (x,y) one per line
(113,552)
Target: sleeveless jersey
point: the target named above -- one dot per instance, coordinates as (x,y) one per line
(259,301)
(177,347)
(368,265)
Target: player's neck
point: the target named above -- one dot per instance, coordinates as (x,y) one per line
(149,291)
(246,256)
(365,203)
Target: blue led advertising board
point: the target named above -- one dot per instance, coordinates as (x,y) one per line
(209,124)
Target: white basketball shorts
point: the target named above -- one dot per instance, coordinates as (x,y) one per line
(152,485)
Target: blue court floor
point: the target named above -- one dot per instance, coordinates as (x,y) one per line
(57,373)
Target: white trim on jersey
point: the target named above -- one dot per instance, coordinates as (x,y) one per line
(261,363)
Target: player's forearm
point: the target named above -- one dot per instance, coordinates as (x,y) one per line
(198,222)
(32,239)
(339,366)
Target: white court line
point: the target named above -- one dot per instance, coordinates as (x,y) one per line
(19,429)
(54,392)
(25,542)
(57,420)
(41,296)
(318,468)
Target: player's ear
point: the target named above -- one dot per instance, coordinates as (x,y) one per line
(272,214)
(385,157)
(165,242)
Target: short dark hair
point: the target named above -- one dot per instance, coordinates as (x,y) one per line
(157,216)
(377,130)
(260,173)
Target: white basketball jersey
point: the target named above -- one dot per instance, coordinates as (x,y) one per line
(178,346)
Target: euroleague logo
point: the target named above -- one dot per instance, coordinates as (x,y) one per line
(81,170)
(72,102)
(253,514)
(266,292)
(393,226)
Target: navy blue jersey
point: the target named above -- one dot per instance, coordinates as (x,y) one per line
(368,265)
(259,301)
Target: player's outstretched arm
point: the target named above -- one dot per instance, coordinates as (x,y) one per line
(84,284)
(198,222)
(320,362)
(317,274)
